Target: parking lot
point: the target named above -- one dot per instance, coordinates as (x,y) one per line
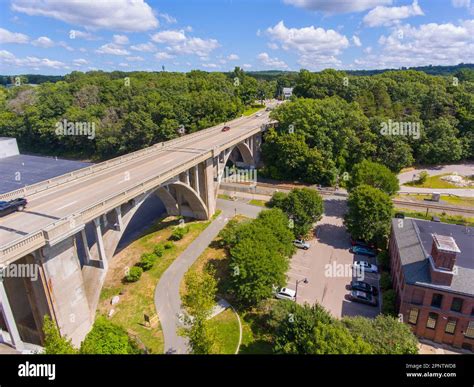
(327,267)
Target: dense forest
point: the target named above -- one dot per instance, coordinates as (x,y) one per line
(332,122)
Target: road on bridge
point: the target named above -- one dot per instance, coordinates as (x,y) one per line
(60,202)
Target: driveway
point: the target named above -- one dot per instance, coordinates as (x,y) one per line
(327,266)
(167,298)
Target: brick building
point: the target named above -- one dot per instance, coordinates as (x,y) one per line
(432,267)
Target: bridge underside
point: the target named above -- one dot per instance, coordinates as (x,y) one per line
(71,271)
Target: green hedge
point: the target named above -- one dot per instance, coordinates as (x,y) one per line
(134,274)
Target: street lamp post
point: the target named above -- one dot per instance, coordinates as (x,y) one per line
(305,281)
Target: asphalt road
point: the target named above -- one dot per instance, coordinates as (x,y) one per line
(167,297)
(49,206)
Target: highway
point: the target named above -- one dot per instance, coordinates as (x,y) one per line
(56,203)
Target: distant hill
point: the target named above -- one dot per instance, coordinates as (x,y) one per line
(35,79)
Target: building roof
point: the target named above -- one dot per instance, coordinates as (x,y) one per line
(32,169)
(414,239)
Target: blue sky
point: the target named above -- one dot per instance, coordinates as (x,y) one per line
(57,37)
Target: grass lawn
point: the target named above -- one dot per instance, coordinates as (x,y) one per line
(453,219)
(226,328)
(252,109)
(455,200)
(259,203)
(136,299)
(436,182)
(224,196)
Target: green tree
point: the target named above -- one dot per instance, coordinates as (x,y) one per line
(107,338)
(374,174)
(54,343)
(369,214)
(385,334)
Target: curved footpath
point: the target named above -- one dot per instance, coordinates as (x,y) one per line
(167,297)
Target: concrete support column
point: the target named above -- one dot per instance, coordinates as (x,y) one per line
(196,180)
(86,246)
(100,243)
(208,186)
(118,214)
(9,318)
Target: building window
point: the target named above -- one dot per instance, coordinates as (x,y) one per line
(413,316)
(456,305)
(470,330)
(436,300)
(417,297)
(450,326)
(432,319)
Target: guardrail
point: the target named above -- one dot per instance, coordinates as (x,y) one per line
(444,207)
(105,165)
(22,246)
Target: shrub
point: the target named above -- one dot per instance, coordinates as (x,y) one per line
(168,245)
(383,259)
(54,344)
(134,274)
(159,250)
(422,177)
(106,338)
(147,261)
(385,281)
(388,302)
(179,233)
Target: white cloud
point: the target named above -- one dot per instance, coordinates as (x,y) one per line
(167,18)
(7,58)
(169,37)
(134,58)
(356,41)
(123,64)
(246,66)
(273,46)
(12,37)
(80,62)
(43,41)
(120,15)
(210,65)
(316,47)
(436,44)
(461,3)
(388,16)
(368,50)
(121,39)
(179,43)
(233,57)
(337,6)
(76,34)
(112,49)
(65,45)
(267,61)
(144,47)
(163,56)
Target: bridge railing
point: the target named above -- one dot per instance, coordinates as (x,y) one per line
(100,167)
(58,229)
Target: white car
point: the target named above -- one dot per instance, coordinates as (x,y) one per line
(365,267)
(258,114)
(286,294)
(301,244)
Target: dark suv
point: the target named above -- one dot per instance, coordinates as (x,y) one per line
(17,204)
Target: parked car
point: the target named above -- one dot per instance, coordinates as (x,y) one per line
(17,204)
(360,242)
(363,251)
(363,297)
(301,244)
(226,128)
(286,294)
(258,114)
(366,266)
(400,215)
(364,287)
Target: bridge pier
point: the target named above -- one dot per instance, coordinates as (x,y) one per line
(8,318)
(100,243)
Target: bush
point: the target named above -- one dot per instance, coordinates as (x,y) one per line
(147,261)
(388,302)
(106,338)
(134,274)
(383,259)
(179,233)
(54,343)
(159,250)
(168,245)
(385,281)
(422,177)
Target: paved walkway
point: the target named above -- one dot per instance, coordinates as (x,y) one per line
(167,298)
